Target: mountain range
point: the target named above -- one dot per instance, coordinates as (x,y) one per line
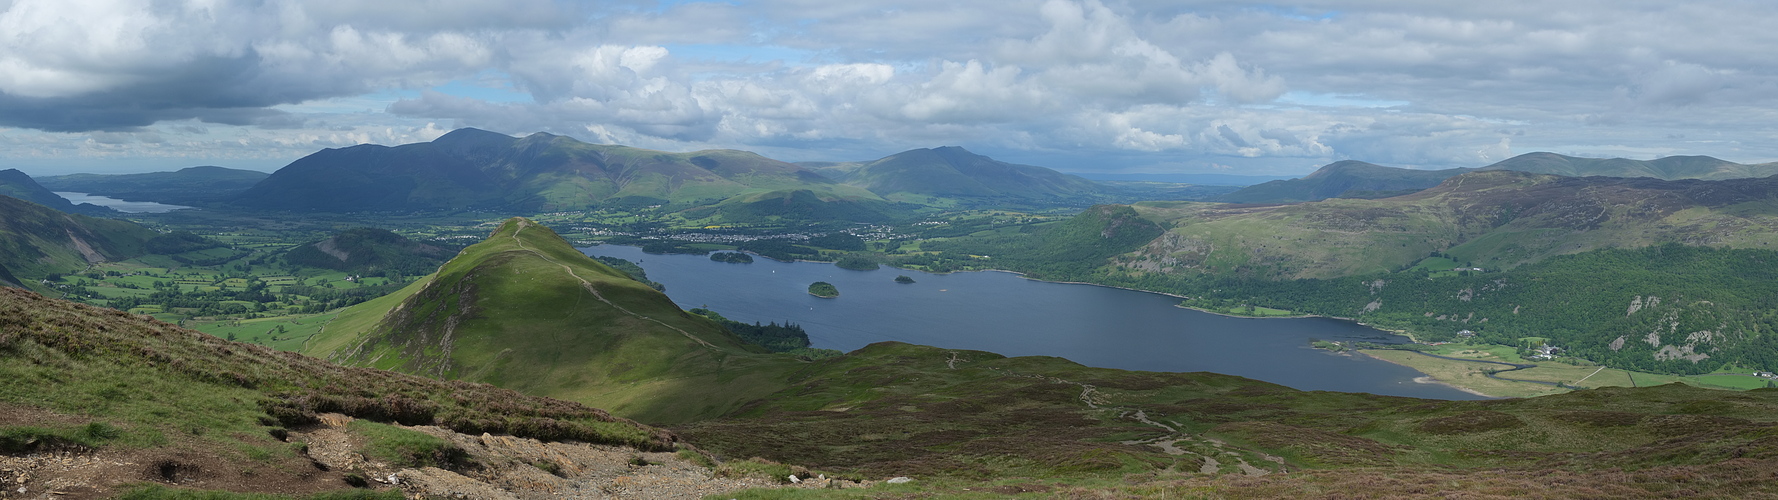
(1356,179)
(470,168)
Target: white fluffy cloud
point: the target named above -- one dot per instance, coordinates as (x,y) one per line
(1077,84)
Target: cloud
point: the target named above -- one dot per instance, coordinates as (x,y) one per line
(1135,82)
(117,65)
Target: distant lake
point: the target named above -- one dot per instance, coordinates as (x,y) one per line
(119,205)
(1007,314)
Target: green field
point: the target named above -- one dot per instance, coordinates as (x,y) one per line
(284,333)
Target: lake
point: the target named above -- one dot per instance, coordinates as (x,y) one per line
(1010,315)
(132,207)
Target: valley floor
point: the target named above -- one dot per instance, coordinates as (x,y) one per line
(1488,374)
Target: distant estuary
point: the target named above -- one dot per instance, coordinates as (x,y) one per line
(1010,315)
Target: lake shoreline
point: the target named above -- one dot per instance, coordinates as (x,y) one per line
(1429,379)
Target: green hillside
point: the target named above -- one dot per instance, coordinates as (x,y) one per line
(36,241)
(369,251)
(470,168)
(187,186)
(1668,168)
(1495,219)
(946,175)
(1342,179)
(16,184)
(524,310)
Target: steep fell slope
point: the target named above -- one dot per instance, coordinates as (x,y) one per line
(16,184)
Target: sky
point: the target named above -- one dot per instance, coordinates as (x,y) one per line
(1130,86)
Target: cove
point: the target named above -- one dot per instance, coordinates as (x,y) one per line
(1007,314)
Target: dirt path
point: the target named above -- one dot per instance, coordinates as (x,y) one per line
(1170,442)
(952,363)
(588,285)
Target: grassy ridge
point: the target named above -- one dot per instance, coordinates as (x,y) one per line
(525,310)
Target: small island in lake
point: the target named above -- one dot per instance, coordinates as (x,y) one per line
(823,289)
(903,279)
(732,257)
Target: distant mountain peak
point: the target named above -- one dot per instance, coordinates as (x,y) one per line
(1343,179)
(1340,166)
(472,135)
(952,171)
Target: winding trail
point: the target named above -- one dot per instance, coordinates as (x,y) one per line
(588,285)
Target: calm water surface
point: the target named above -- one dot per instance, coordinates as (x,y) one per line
(119,205)
(1010,315)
